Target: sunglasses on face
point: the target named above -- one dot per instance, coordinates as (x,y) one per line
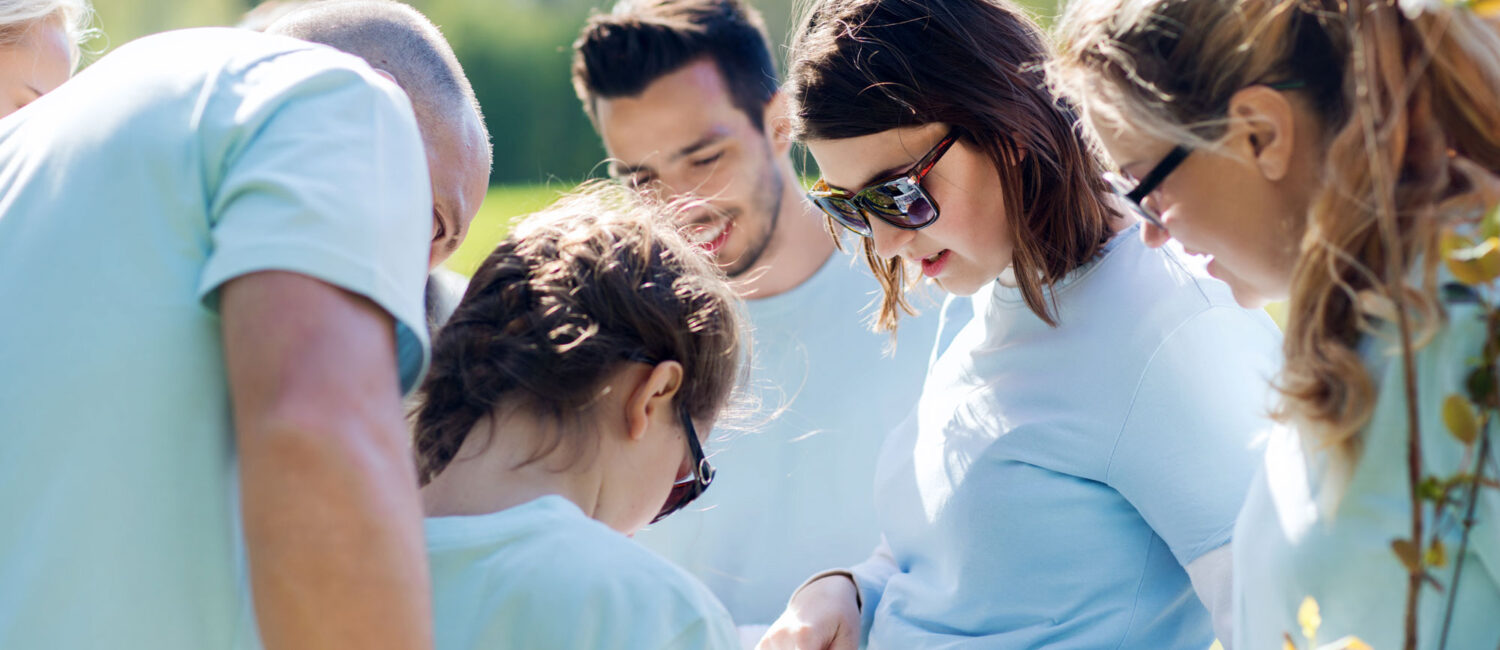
(899,200)
(692,486)
(1134,193)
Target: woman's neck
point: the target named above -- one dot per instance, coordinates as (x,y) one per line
(489,473)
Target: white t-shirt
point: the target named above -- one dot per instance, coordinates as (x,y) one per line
(128,196)
(793,497)
(1055,481)
(544,575)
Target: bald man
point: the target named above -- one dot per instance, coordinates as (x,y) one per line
(235,229)
(401,44)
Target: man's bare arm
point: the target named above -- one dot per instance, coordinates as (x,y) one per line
(331,515)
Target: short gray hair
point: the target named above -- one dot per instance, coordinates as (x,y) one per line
(393,37)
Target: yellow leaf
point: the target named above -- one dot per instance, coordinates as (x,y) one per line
(1461,419)
(1470,263)
(1309,618)
(1437,554)
(1216,645)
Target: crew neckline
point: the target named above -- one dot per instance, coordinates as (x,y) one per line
(1009,294)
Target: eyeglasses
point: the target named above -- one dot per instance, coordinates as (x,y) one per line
(899,200)
(1135,193)
(688,488)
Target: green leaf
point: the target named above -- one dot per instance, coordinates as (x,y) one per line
(1490,225)
(1432,489)
(1481,386)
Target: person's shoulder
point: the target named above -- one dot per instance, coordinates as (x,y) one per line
(1168,271)
(630,591)
(611,562)
(213,49)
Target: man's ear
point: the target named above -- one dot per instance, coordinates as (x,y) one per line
(388,76)
(653,394)
(778,123)
(1263,128)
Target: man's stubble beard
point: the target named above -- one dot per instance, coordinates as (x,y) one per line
(758,246)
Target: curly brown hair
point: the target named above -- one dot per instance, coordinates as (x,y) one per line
(598,278)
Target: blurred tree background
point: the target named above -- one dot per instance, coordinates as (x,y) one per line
(516,52)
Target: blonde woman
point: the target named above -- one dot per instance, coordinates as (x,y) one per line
(1315,150)
(38,47)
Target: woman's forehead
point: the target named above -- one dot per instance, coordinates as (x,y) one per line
(855,162)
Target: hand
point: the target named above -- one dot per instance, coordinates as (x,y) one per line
(824,615)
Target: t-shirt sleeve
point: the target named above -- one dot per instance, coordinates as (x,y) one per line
(870,578)
(314,165)
(1188,448)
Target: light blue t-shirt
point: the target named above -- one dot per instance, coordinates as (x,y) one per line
(1289,546)
(792,497)
(1054,481)
(127,197)
(544,575)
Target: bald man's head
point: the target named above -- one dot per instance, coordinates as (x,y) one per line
(401,43)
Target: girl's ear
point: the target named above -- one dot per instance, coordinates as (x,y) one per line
(1264,127)
(653,395)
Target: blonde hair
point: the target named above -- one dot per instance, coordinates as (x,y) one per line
(76,17)
(1408,102)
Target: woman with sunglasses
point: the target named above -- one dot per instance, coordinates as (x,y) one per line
(566,408)
(1331,144)
(1083,439)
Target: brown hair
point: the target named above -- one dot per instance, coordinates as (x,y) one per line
(598,278)
(864,66)
(621,52)
(1408,157)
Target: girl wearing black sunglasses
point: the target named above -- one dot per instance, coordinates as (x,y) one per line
(1083,439)
(562,412)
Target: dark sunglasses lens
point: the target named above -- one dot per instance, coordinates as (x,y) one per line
(899,202)
(682,494)
(844,212)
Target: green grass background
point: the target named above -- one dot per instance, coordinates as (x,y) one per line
(504,205)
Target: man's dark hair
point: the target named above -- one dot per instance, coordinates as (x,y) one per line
(621,52)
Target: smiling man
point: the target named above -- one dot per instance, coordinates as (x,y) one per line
(683,94)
